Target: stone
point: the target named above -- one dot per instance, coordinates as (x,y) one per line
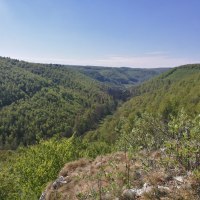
(132,194)
(129,194)
(58,182)
(146,188)
(179,179)
(163,188)
(43,195)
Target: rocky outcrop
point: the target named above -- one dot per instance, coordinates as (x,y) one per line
(175,183)
(107,178)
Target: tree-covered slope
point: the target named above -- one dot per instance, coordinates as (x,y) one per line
(17,83)
(38,101)
(122,76)
(169,152)
(167,94)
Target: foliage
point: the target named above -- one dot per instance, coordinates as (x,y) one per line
(38,101)
(25,173)
(179,137)
(122,76)
(96,148)
(31,168)
(146,132)
(184,143)
(17,83)
(164,95)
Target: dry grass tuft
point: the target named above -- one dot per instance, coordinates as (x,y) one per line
(156,178)
(72,166)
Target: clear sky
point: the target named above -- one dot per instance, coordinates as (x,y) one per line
(135,33)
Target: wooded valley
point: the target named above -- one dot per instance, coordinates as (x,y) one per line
(54,114)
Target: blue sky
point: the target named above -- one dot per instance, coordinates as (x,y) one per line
(135,33)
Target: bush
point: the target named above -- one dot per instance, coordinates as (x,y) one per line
(183,145)
(180,137)
(36,165)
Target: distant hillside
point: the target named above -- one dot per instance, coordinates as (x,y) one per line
(122,76)
(164,95)
(38,101)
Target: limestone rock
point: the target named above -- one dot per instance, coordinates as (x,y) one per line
(129,194)
(132,194)
(43,195)
(179,179)
(58,182)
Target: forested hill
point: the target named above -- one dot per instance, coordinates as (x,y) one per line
(38,101)
(66,101)
(122,76)
(163,96)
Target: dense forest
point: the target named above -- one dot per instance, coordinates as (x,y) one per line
(165,95)
(43,103)
(38,101)
(122,76)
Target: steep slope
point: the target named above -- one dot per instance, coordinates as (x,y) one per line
(17,83)
(169,93)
